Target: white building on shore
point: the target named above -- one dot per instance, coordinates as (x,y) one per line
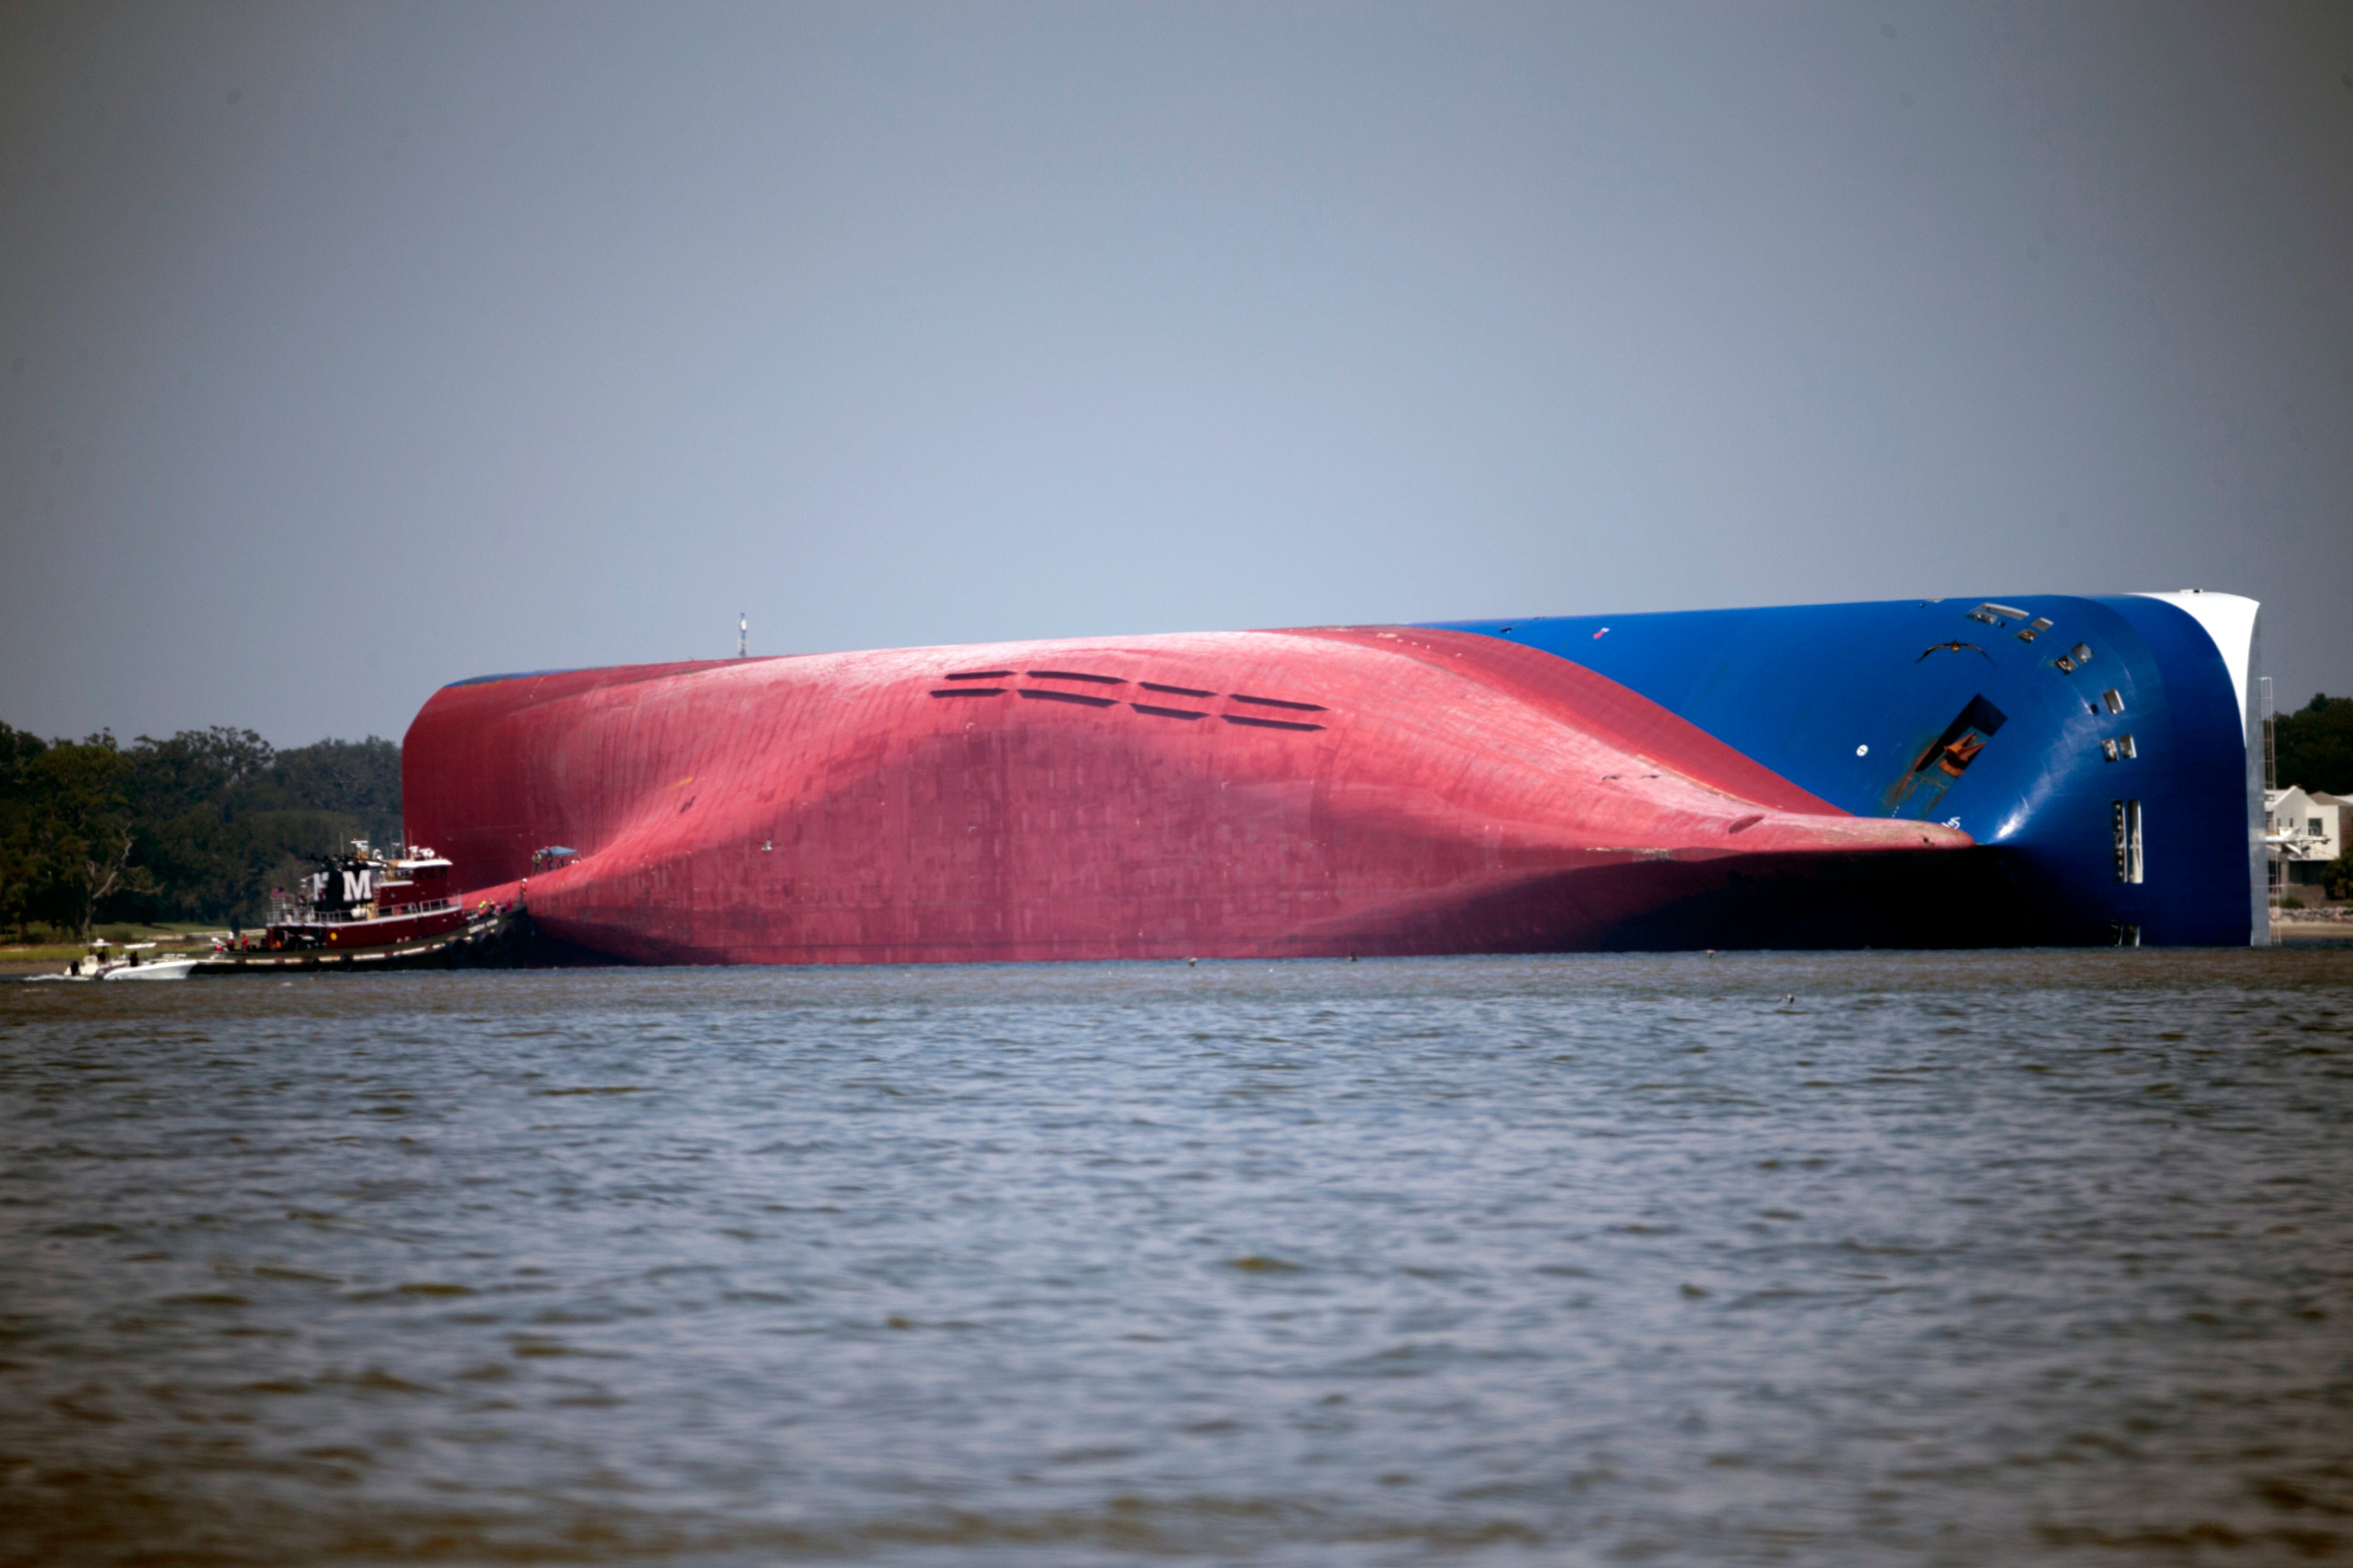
(2304,830)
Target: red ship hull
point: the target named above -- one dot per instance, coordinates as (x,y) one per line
(1372,791)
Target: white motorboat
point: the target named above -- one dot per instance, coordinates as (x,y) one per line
(106,962)
(157,969)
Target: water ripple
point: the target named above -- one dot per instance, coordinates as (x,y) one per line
(2036,1257)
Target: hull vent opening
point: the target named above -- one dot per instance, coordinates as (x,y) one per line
(979,675)
(1279,702)
(1174,691)
(1267,723)
(970,691)
(1075,675)
(2124,817)
(1167,713)
(1079,696)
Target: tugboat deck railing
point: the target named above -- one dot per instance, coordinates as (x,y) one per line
(311,917)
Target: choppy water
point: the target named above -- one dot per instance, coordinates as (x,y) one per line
(1951,1259)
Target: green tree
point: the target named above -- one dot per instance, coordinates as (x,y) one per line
(358,779)
(19,856)
(223,817)
(190,796)
(2315,745)
(194,768)
(82,832)
(197,827)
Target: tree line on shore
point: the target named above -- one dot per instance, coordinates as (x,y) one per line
(200,826)
(2315,745)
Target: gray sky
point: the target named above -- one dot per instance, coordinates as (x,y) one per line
(353,348)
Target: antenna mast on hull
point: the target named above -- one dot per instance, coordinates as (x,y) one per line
(743,635)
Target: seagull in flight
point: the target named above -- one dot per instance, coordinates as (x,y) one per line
(1956,647)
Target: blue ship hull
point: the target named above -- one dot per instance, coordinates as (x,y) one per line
(2102,752)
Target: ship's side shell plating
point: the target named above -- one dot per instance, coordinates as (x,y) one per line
(1379,789)
(2034,768)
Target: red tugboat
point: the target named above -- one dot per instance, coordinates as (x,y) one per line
(366,899)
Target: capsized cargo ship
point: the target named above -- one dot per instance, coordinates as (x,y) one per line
(2023,770)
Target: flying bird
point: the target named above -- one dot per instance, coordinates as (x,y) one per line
(1956,647)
